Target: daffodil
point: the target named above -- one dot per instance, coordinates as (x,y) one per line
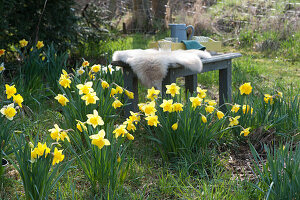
(175,126)
(234,121)
(201,93)
(104,84)
(279,94)
(94,119)
(18,99)
(81,125)
(9,111)
(57,156)
(119,89)
(90,98)
(113,92)
(235,108)
(134,117)
(129,136)
(86,88)
(80,71)
(42,149)
(65,82)
(167,105)
(61,99)
(95,68)
(220,114)
(40,44)
(152,93)
(98,139)
(23,43)
(245,132)
(121,130)
(209,109)
(211,102)
(149,108)
(177,107)
(63,135)
(129,94)
(116,104)
(55,132)
(85,63)
(204,119)
(152,120)
(119,159)
(129,125)
(2,68)
(246,109)
(2,52)
(245,88)
(10,90)
(268,98)
(172,89)
(196,101)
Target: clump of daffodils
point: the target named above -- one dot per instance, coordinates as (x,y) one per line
(9,111)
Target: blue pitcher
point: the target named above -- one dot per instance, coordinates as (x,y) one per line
(180,31)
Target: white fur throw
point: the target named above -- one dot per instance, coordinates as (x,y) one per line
(151,66)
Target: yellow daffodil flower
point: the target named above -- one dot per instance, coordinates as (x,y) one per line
(2,52)
(152,120)
(98,139)
(268,98)
(245,132)
(220,114)
(104,84)
(204,119)
(18,99)
(152,94)
(209,109)
(167,105)
(65,82)
(134,117)
(63,135)
(129,125)
(177,107)
(57,156)
(42,149)
(196,101)
(149,108)
(2,68)
(40,44)
(95,68)
(172,89)
(85,63)
(94,119)
(246,109)
(80,71)
(119,159)
(129,136)
(279,94)
(23,43)
(9,111)
(80,125)
(10,90)
(129,94)
(175,126)
(234,121)
(62,99)
(211,102)
(116,104)
(235,108)
(55,132)
(119,89)
(86,88)
(201,93)
(113,92)
(121,130)
(90,98)
(245,88)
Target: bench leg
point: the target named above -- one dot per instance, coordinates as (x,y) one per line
(225,85)
(170,78)
(191,83)
(131,84)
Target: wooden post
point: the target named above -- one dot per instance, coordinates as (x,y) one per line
(225,85)
(191,83)
(170,78)
(131,84)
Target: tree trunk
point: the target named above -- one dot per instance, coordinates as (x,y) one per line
(141,16)
(159,10)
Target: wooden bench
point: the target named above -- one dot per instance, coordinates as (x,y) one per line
(220,62)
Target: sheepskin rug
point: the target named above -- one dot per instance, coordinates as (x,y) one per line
(151,66)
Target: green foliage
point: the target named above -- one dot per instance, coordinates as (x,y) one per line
(278,177)
(50,21)
(39,176)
